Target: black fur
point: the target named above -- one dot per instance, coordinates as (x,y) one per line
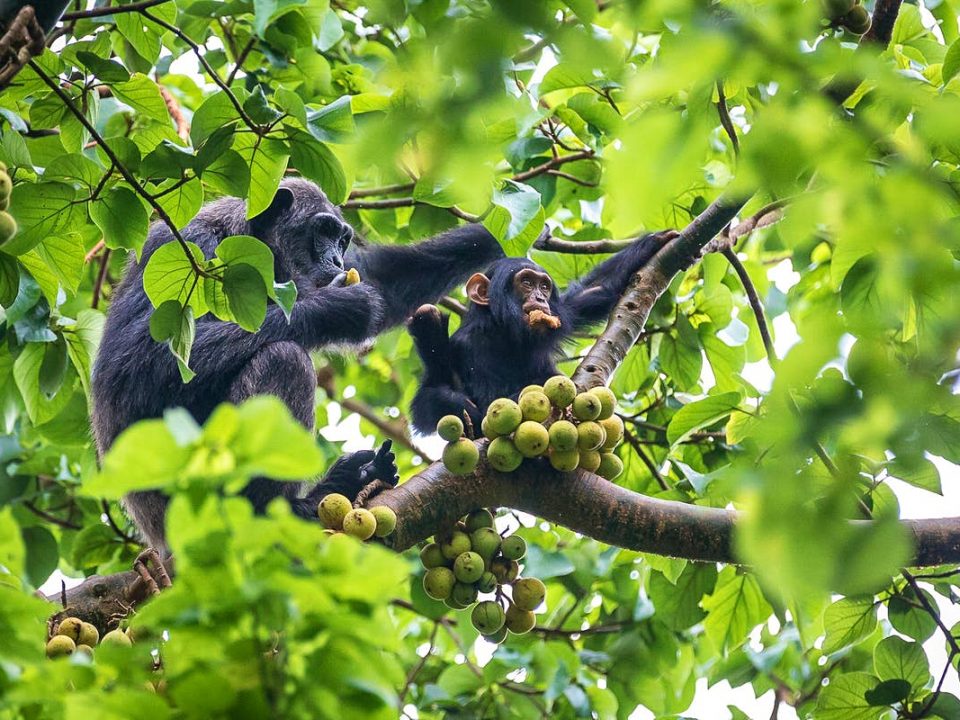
(135,378)
(495,353)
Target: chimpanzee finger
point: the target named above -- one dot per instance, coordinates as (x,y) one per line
(339,281)
(384,449)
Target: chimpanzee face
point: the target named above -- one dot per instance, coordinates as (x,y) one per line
(519,294)
(533,290)
(307,234)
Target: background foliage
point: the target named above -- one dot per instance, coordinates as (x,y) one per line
(605,119)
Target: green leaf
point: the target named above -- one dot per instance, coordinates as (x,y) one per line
(122,219)
(142,94)
(42,209)
(109,71)
(678,604)
(333,122)
(951,62)
(53,368)
(735,607)
(897,659)
(266,11)
(26,373)
(267,160)
(174,324)
(126,467)
(64,256)
(566,75)
(315,161)
(700,414)
(42,554)
(680,361)
(847,622)
(83,339)
(246,295)
(170,276)
(216,112)
(270,442)
(516,219)
(142,34)
(845,698)
(228,174)
(919,472)
(94,545)
(244,249)
(181,201)
(909,617)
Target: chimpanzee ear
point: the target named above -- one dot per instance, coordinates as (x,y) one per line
(279,206)
(478,289)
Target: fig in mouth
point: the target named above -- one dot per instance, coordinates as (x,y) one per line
(538,318)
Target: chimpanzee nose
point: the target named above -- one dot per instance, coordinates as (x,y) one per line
(333,227)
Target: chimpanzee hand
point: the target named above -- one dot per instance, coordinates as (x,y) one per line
(429,327)
(382,467)
(351,473)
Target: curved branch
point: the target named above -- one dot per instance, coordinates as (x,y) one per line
(581,247)
(581,501)
(631,313)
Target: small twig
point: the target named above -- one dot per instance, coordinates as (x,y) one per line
(651,466)
(105,506)
(572,178)
(101,276)
(176,113)
(121,168)
(379,204)
(238,65)
(580,247)
(370,490)
(247,120)
(553,164)
(755,304)
(453,305)
(52,519)
(392,430)
(932,611)
(384,190)
(419,666)
(725,119)
(104,11)
(94,251)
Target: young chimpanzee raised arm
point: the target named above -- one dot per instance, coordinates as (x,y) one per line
(135,377)
(512,332)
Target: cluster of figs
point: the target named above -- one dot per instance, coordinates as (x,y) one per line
(472,565)
(849,14)
(568,428)
(73,635)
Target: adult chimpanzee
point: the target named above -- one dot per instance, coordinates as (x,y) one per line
(512,332)
(135,377)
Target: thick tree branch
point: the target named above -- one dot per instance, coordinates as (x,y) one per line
(629,316)
(580,501)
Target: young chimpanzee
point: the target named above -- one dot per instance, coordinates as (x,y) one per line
(135,377)
(512,332)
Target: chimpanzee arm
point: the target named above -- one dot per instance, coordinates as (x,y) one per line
(349,475)
(410,275)
(329,315)
(592,298)
(437,395)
